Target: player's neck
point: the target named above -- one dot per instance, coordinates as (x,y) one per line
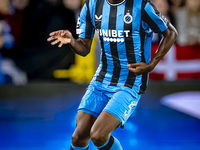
(115,1)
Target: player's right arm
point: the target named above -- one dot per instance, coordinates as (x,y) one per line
(85,30)
(80,46)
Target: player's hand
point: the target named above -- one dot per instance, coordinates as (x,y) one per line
(139,68)
(61,37)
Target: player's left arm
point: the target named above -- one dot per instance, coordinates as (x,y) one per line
(159,24)
(170,36)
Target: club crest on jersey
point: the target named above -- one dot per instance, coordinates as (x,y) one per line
(128,18)
(98,18)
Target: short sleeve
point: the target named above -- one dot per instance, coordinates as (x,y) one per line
(84,28)
(155,20)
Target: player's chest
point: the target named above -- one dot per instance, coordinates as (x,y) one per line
(118,19)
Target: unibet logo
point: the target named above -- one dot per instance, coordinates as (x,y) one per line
(113,35)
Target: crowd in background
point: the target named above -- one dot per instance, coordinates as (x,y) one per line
(25,25)
(185,16)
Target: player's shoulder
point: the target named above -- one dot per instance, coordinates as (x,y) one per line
(146,1)
(148,5)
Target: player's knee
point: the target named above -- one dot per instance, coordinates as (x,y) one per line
(98,138)
(79,139)
(75,138)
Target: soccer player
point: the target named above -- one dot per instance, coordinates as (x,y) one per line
(125,30)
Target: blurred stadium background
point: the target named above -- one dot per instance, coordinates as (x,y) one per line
(41,85)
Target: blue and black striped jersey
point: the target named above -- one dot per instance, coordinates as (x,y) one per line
(125,33)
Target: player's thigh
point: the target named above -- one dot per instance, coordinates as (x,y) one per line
(84,122)
(93,102)
(122,105)
(104,125)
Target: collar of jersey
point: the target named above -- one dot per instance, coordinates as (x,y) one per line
(115,4)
